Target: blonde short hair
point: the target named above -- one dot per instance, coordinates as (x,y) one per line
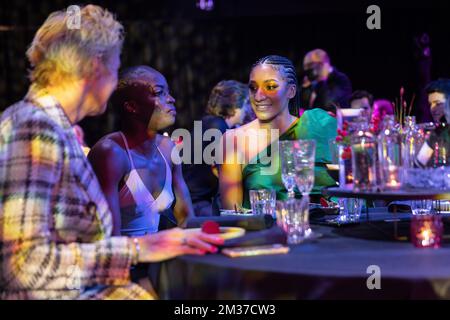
(58,53)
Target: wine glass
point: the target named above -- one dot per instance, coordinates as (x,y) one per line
(305,154)
(287,159)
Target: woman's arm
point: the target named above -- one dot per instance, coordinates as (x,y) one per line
(230,172)
(183,209)
(110,164)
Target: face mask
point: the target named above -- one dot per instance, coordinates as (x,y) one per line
(311,74)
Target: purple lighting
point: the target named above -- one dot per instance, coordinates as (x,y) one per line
(206,5)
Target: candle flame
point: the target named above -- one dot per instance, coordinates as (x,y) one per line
(426,236)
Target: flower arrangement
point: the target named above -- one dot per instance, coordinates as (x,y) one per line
(343,138)
(345,155)
(401,107)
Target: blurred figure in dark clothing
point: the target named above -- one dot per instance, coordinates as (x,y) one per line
(422,75)
(363,100)
(435,152)
(438,95)
(227,108)
(323,85)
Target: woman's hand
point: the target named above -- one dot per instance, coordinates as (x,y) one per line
(171,243)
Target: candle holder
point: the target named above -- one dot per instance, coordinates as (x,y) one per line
(426,231)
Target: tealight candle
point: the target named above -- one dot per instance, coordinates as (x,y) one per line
(393,181)
(426,231)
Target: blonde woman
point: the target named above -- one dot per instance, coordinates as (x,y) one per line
(56,226)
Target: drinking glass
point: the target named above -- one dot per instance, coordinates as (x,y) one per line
(349,209)
(263,201)
(422,206)
(293,218)
(305,153)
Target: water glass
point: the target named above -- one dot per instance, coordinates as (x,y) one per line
(350,209)
(423,206)
(263,201)
(293,218)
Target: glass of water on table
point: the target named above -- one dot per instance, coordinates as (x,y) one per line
(263,201)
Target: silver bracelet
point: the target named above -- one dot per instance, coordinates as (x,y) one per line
(137,250)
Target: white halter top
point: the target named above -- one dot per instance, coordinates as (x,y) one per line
(139,210)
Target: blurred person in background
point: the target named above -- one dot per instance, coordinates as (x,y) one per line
(435,152)
(228,107)
(363,100)
(323,85)
(438,95)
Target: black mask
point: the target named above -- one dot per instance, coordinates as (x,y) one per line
(311,74)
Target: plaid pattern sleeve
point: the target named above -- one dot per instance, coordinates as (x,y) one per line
(32,258)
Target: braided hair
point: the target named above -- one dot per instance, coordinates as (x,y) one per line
(286,67)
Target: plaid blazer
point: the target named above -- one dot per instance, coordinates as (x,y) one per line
(55,224)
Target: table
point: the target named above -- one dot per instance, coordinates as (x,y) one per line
(333,267)
(388,195)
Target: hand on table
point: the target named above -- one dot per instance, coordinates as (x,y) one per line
(171,243)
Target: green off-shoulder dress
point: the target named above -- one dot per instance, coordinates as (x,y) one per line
(314,124)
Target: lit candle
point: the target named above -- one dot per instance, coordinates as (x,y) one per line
(427,237)
(426,231)
(393,179)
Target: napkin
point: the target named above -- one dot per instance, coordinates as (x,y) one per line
(249,223)
(264,237)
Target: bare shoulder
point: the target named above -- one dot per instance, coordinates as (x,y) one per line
(241,131)
(110,148)
(246,128)
(166,146)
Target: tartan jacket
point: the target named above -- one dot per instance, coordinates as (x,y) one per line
(55,224)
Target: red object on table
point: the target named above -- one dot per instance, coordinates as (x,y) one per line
(323,203)
(210,227)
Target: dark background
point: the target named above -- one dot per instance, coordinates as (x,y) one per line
(195,49)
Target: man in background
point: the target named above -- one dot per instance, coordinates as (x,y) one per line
(323,85)
(435,152)
(438,95)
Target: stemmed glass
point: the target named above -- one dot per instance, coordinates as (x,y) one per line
(287,159)
(304,155)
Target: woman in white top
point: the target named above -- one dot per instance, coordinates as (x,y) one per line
(134,165)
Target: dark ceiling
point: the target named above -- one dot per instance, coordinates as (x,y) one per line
(26,13)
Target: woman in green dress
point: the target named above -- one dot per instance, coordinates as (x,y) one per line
(248,160)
